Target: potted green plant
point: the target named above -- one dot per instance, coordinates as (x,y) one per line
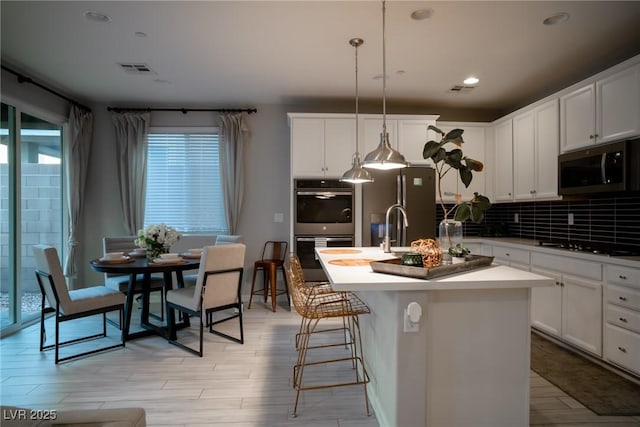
(450,230)
(458,253)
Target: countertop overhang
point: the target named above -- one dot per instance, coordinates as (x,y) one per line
(362,278)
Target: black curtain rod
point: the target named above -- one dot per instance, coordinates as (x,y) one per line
(24,79)
(186,110)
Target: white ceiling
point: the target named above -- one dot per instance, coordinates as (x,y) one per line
(245,53)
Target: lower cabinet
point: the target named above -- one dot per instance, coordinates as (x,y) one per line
(622,317)
(572,309)
(582,313)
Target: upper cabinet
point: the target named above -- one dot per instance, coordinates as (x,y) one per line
(535,152)
(321,147)
(503,161)
(601,111)
(474,137)
(407,134)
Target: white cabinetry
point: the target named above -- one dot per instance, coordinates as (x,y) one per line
(622,317)
(535,151)
(321,147)
(513,257)
(601,111)
(503,161)
(474,147)
(407,134)
(571,310)
(582,313)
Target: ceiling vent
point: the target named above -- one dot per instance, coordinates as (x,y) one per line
(136,68)
(461,89)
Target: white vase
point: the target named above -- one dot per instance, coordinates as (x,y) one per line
(458,259)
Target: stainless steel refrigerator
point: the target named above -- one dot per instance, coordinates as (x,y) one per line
(414,188)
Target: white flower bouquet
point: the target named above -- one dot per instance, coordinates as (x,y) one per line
(157,239)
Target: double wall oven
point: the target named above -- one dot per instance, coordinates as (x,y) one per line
(323,218)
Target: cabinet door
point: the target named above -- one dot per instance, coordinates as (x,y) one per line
(582,313)
(339,146)
(504,161)
(474,148)
(371,128)
(618,105)
(307,147)
(547,146)
(524,156)
(546,305)
(577,118)
(412,135)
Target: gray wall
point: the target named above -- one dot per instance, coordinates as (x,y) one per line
(267,162)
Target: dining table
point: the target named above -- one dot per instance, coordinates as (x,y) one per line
(135,266)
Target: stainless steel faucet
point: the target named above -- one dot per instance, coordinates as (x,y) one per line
(387,239)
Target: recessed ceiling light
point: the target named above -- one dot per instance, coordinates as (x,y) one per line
(557,19)
(140,34)
(96,16)
(421,14)
(471,80)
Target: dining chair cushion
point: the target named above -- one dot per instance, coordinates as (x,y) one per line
(92,298)
(75,301)
(184,297)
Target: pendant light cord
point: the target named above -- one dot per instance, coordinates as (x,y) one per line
(384,71)
(357,149)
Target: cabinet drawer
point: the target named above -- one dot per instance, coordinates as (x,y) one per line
(511,254)
(622,347)
(623,296)
(567,265)
(622,275)
(625,318)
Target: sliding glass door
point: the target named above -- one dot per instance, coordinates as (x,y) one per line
(31,209)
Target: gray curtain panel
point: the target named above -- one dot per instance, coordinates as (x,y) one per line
(77,165)
(131,148)
(234,135)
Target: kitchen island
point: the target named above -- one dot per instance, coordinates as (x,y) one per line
(467,364)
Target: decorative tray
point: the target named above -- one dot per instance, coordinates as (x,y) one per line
(394,266)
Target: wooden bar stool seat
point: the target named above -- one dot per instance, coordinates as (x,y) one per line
(272,260)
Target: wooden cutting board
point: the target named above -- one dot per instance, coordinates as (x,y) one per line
(340,251)
(351,262)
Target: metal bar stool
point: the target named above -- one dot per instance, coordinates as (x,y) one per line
(317,304)
(270,262)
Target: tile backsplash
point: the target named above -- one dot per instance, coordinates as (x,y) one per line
(610,220)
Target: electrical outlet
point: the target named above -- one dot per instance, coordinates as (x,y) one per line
(408,325)
(570,219)
(516,218)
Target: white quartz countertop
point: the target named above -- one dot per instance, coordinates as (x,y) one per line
(362,277)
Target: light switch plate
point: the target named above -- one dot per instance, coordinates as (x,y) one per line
(278,217)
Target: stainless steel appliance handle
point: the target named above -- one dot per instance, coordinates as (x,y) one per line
(324,193)
(328,239)
(603,167)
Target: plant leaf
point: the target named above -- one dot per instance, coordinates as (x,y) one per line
(435,129)
(481,202)
(440,155)
(430,148)
(454,136)
(463,211)
(474,165)
(465,176)
(477,215)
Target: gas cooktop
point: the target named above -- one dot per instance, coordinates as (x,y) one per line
(591,247)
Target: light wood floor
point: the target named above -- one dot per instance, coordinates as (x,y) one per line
(233,385)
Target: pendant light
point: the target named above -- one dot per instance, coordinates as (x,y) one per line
(384,157)
(357,174)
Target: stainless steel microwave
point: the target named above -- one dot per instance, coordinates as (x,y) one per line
(609,168)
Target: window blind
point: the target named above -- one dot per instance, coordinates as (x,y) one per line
(184,188)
